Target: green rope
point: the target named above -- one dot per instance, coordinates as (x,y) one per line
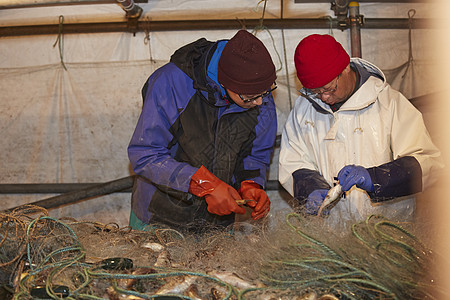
(369,283)
(334,269)
(386,245)
(31,225)
(310,239)
(85,283)
(60,41)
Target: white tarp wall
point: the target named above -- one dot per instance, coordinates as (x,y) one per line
(73,125)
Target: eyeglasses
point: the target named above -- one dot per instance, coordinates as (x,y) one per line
(320,91)
(253,98)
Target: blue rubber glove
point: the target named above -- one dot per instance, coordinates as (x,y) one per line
(314,201)
(351,175)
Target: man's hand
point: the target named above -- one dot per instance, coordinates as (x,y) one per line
(351,175)
(221,197)
(314,201)
(252,191)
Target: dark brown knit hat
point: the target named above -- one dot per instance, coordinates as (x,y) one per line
(245,65)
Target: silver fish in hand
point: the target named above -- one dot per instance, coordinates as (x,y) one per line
(333,195)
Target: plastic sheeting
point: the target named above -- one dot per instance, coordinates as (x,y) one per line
(67,116)
(69,128)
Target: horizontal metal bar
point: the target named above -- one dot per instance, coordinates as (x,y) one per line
(87,191)
(48,188)
(40,3)
(44,3)
(152,26)
(397,23)
(116,186)
(83,194)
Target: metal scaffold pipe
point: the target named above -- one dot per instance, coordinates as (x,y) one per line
(86,191)
(123,185)
(93,191)
(131,9)
(355,32)
(182,25)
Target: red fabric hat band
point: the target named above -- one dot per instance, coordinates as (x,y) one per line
(245,65)
(319,59)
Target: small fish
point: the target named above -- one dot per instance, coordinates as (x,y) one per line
(334,194)
(328,297)
(130,282)
(232,279)
(192,292)
(176,285)
(218,293)
(163,260)
(155,247)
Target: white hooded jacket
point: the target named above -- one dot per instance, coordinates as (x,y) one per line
(376,125)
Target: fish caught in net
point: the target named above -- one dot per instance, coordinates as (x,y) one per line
(46,258)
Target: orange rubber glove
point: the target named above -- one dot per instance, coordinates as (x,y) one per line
(221,197)
(251,190)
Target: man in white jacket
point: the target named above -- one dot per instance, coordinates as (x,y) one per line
(350,126)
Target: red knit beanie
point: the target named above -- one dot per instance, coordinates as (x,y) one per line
(245,65)
(319,59)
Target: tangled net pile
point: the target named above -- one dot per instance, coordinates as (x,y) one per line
(46,258)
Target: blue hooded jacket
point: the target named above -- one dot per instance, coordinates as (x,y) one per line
(186,122)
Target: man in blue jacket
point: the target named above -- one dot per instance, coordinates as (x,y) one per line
(205,136)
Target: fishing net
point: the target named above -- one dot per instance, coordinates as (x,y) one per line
(46,258)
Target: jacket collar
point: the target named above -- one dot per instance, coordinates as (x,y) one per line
(372,82)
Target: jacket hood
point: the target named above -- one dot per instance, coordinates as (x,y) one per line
(193,59)
(362,64)
(373,78)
